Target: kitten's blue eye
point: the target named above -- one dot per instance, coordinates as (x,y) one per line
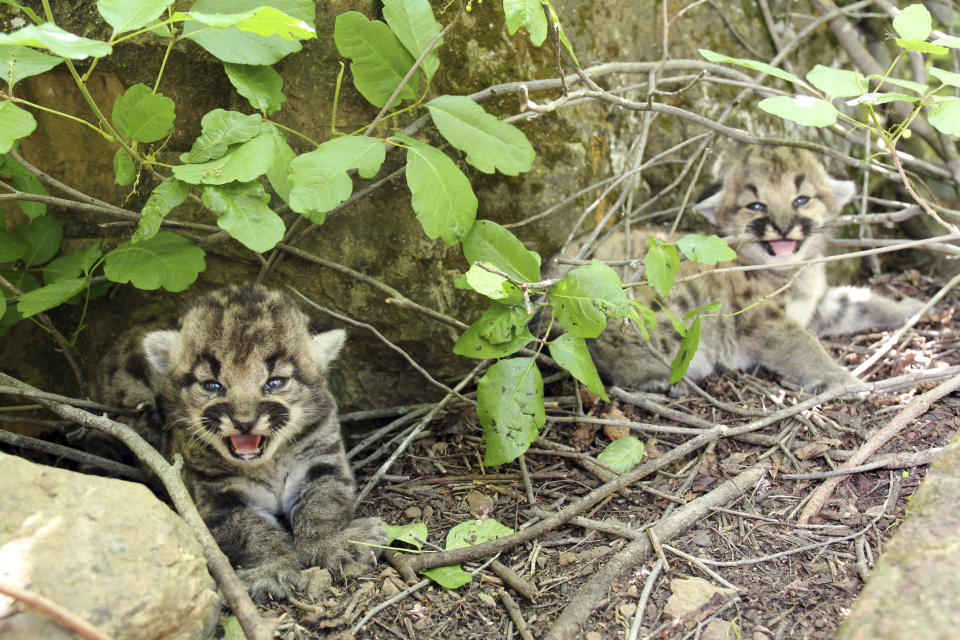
(757,206)
(273,384)
(799,201)
(212,386)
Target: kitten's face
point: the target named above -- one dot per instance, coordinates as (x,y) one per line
(244,372)
(776,200)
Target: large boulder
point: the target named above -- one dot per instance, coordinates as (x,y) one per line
(106,550)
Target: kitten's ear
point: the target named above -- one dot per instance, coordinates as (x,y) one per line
(160,347)
(326,347)
(843,191)
(709,202)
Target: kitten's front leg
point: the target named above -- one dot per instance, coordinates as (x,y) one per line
(325,533)
(783,346)
(261,549)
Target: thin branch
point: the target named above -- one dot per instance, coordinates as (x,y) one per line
(65,618)
(68,453)
(232,589)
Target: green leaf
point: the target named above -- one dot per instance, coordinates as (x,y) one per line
(706,249)
(660,267)
(50,296)
(50,36)
(584,297)
(501,331)
(379,59)
(751,64)
(562,36)
(142,114)
(919,87)
(241,163)
(688,349)
(922,46)
(17,63)
(837,83)
(712,307)
(11,247)
(23,180)
(490,143)
(320,180)
(449,577)
(165,260)
(124,170)
(231,44)
(72,265)
(529,15)
(442,196)
(23,281)
(946,77)
(128,15)
(913,23)
(945,116)
(623,454)
(219,130)
(474,532)
(570,352)
(494,286)
(15,123)
(260,84)
(803,110)
(165,197)
(244,214)
(42,237)
(510,408)
(413,23)
(279,172)
(263,21)
(492,243)
(412,534)
(882,98)
(948,41)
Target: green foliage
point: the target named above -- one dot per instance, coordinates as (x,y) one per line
(380,60)
(128,15)
(585,297)
(413,23)
(25,181)
(15,123)
(412,534)
(501,331)
(17,63)
(510,408)
(465,534)
(124,170)
(219,130)
(164,198)
(570,352)
(165,260)
(623,454)
(57,41)
(244,214)
(260,84)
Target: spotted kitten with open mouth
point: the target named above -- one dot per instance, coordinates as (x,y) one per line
(239,390)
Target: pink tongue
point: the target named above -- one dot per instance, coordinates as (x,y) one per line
(783,247)
(245,445)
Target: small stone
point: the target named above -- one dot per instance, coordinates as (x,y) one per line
(689,594)
(427,512)
(627,609)
(413,513)
(702,539)
(566,557)
(317,581)
(487,599)
(479,504)
(593,635)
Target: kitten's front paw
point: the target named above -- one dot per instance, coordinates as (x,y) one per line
(277,580)
(829,380)
(346,552)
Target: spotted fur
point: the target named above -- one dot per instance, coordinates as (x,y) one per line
(238,389)
(774,202)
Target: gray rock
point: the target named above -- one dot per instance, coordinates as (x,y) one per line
(106,550)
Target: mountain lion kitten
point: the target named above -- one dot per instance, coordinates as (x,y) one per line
(775,202)
(239,390)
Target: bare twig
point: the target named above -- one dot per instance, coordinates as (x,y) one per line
(516,615)
(232,589)
(68,453)
(66,619)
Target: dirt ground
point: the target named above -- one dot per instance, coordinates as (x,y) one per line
(777,579)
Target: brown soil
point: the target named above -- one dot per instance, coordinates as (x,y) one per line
(794,581)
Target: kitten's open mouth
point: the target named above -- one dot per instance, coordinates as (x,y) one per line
(246,447)
(780,248)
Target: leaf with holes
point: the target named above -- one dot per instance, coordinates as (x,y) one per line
(412,534)
(585,296)
(501,331)
(510,408)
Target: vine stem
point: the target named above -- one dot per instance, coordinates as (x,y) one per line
(230,585)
